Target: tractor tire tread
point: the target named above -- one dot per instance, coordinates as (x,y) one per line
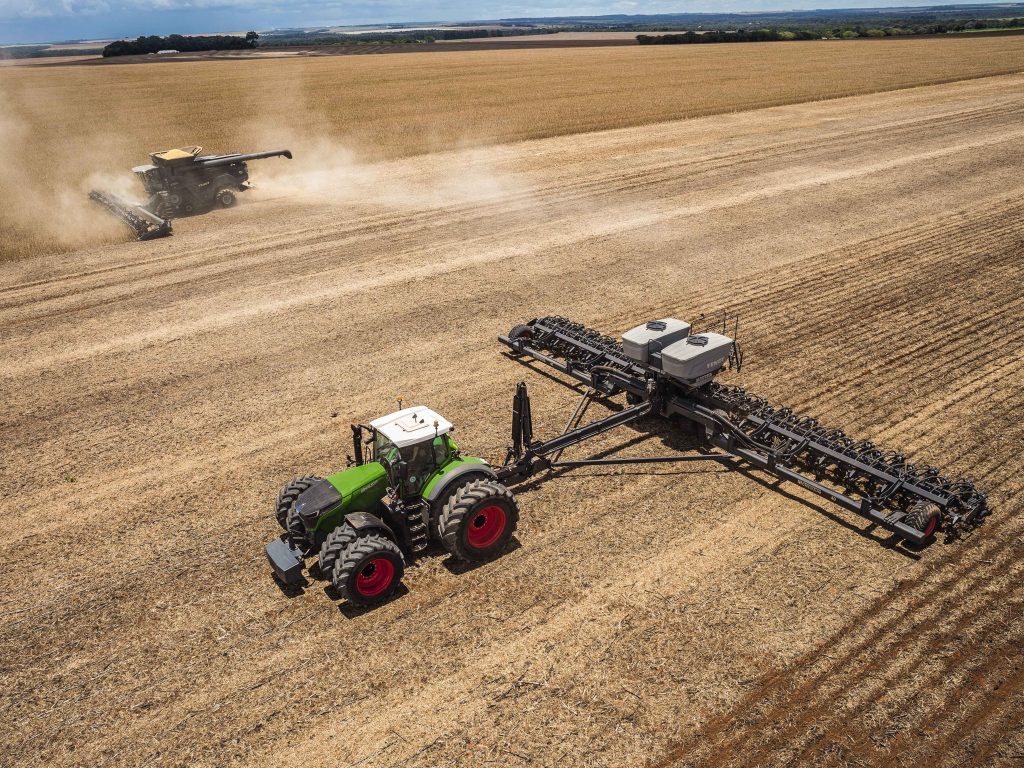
(334,545)
(353,555)
(288,494)
(458,507)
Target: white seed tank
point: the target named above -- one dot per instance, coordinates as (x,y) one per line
(652,337)
(696,359)
(668,345)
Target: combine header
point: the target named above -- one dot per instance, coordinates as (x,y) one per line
(416,488)
(181,182)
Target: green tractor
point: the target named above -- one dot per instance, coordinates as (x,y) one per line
(367,521)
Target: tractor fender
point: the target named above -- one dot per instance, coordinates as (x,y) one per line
(367,522)
(440,488)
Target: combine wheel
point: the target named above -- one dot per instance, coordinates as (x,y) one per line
(335,543)
(479,519)
(369,570)
(924,516)
(225,198)
(287,496)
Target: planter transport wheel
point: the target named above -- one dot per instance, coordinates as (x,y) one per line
(924,516)
(369,570)
(478,520)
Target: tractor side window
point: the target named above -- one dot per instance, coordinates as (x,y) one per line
(440,451)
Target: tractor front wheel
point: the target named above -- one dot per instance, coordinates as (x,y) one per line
(479,520)
(226,198)
(369,570)
(335,543)
(288,495)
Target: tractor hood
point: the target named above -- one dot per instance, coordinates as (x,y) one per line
(351,481)
(351,490)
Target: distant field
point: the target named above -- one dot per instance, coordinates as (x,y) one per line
(376,107)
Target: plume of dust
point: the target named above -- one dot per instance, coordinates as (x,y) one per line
(44,204)
(325,171)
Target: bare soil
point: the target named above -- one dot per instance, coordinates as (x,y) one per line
(155,396)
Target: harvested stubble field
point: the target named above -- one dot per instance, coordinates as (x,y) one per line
(156,395)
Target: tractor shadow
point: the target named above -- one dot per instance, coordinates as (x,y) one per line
(291,591)
(459,567)
(350,611)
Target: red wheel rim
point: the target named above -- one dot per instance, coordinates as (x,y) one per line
(375,577)
(933,523)
(486,527)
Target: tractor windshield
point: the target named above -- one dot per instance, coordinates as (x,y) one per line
(384,449)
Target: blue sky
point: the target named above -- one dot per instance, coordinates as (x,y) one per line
(25,21)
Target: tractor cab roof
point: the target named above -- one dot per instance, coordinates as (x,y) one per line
(412,425)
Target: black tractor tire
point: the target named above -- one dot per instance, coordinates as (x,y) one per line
(369,570)
(924,516)
(439,504)
(296,531)
(226,198)
(479,520)
(335,543)
(288,495)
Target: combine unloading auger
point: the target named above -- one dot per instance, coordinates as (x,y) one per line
(145,224)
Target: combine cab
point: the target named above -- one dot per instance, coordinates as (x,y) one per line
(181,182)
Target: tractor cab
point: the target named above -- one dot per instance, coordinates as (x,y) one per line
(412,444)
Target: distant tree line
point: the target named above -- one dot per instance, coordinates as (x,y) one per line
(154,43)
(695,36)
(728,36)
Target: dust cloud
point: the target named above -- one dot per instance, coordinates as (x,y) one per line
(40,203)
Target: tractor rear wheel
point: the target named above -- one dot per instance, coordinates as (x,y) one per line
(335,543)
(287,496)
(924,516)
(369,570)
(479,519)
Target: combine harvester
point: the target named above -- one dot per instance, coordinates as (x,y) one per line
(416,488)
(181,182)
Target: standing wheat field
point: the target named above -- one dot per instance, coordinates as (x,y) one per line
(64,129)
